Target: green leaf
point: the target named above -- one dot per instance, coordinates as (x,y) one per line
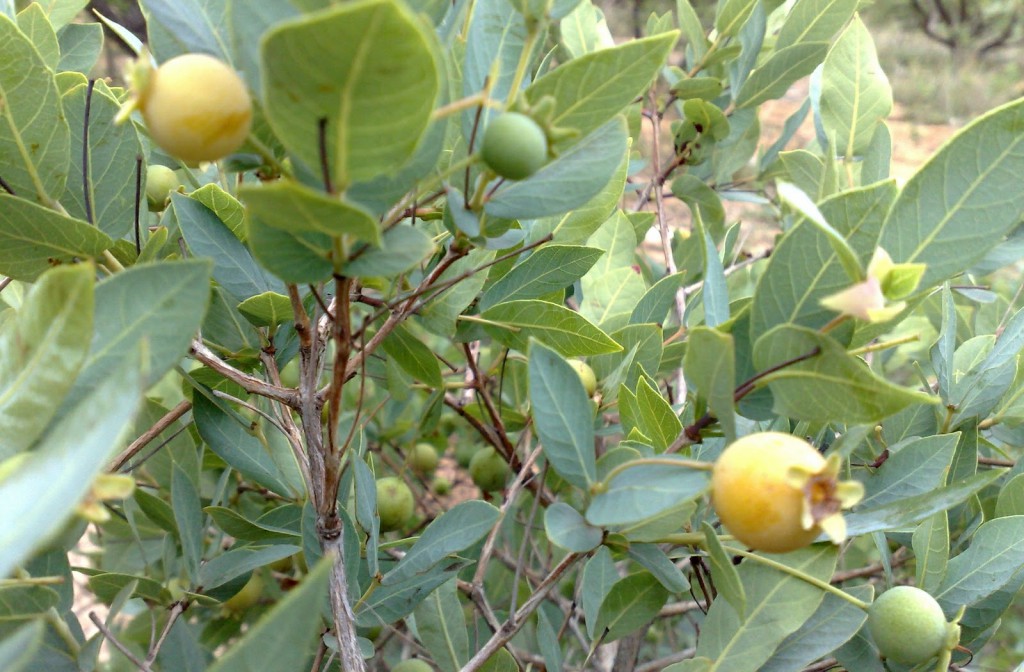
(300,258)
(390,603)
(33,238)
(345,65)
(568,530)
(229,211)
(80,46)
(207,236)
(977,393)
(804,267)
(562,416)
(855,94)
(732,15)
(699,197)
(710,365)
(268,309)
(1011,498)
(931,551)
(778,604)
(990,562)
(550,269)
(599,575)
(36,27)
(591,89)
(642,491)
(641,351)
(161,304)
(239,527)
(441,626)
(567,182)
(726,578)
(415,358)
(183,26)
(112,167)
(402,247)
(657,301)
(285,637)
(261,462)
(784,67)
(660,422)
(905,513)
(830,386)
(496,37)
(630,604)
(40,495)
(656,561)
(963,200)
(714,292)
(915,467)
(814,21)
(34,135)
(19,649)
(107,585)
(63,12)
(565,330)
(41,352)
(290,206)
(188,516)
(239,561)
(455,531)
(802,203)
(440,314)
(831,626)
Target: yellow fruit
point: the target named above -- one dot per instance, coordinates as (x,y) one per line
(196,108)
(586,375)
(247,597)
(754,495)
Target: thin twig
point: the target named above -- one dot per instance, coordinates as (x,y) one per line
(156,430)
(118,645)
(177,610)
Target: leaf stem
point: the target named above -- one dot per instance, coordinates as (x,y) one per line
(803,576)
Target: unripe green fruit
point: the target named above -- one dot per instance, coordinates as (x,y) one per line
(160,182)
(488,470)
(423,458)
(464,453)
(413,665)
(586,375)
(907,625)
(514,146)
(196,108)
(394,503)
(441,486)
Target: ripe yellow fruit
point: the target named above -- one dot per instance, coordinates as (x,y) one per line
(753,491)
(196,108)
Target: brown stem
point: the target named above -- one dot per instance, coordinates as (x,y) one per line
(156,430)
(510,627)
(98,622)
(249,383)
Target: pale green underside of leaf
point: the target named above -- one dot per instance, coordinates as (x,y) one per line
(346,65)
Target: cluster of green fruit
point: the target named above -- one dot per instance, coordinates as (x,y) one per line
(776,493)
